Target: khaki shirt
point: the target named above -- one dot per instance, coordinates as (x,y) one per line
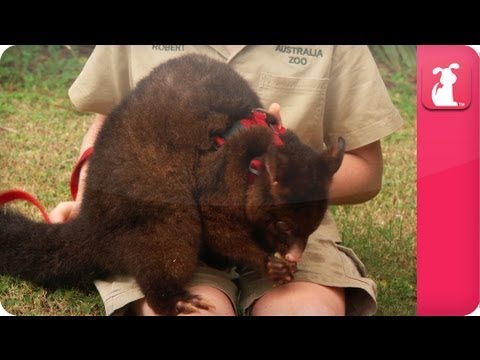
(324,91)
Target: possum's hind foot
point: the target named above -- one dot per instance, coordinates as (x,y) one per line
(192,303)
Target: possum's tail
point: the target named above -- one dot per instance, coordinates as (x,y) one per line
(48,254)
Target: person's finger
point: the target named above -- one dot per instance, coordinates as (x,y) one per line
(274,109)
(62,212)
(74,211)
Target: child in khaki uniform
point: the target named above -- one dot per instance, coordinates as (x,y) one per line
(324,92)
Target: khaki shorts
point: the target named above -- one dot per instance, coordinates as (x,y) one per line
(323,262)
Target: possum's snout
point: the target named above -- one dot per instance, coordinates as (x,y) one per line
(294,253)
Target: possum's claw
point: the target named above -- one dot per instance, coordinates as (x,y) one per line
(280,270)
(192,304)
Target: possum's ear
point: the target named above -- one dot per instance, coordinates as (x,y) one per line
(334,155)
(276,165)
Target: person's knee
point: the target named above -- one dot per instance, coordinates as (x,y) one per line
(221,304)
(301,299)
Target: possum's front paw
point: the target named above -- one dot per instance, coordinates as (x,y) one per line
(280,270)
(192,304)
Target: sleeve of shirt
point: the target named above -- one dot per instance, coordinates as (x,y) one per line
(358,106)
(104,80)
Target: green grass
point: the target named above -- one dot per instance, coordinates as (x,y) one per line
(383,231)
(40,135)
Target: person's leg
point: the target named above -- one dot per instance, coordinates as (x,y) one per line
(122,295)
(331,280)
(301,299)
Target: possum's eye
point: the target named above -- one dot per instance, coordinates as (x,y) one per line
(283,227)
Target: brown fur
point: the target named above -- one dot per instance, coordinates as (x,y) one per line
(141,212)
(241,221)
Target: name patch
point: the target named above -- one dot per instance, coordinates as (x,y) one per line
(168,47)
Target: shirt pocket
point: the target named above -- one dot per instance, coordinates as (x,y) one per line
(302,102)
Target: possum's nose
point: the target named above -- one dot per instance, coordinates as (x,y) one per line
(294,253)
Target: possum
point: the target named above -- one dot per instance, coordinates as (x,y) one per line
(158,191)
(256,224)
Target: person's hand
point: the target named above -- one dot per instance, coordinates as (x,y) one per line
(274,109)
(65,211)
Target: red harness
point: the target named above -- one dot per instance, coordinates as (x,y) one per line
(258,117)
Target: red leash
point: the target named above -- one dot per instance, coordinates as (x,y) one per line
(75,178)
(15,194)
(12,195)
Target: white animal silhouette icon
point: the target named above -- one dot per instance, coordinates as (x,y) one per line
(442,95)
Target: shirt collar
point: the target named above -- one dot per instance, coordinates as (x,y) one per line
(222,50)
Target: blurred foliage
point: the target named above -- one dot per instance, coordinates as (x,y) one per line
(396,57)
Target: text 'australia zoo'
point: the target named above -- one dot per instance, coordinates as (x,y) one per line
(297,50)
